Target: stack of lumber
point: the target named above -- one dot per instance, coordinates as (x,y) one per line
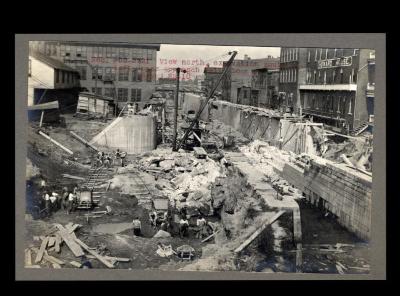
(52,241)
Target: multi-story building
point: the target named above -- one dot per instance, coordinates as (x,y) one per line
(51,80)
(339,87)
(211,75)
(264,87)
(123,70)
(236,84)
(292,74)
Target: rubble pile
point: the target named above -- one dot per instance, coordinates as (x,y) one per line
(189,179)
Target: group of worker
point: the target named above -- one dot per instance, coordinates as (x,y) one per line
(162,222)
(54,201)
(106,160)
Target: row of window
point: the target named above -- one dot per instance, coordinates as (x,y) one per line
(329,104)
(289,54)
(100,52)
(331,77)
(122,93)
(65,77)
(288,75)
(330,53)
(110,73)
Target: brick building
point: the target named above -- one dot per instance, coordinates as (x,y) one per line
(211,75)
(236,84)
(123,70)
(265,84)
(339,87)
(292,74)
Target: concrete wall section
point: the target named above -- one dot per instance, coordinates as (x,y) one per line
(337,190)
(135,134)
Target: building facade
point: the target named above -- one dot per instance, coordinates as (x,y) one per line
(51,80)
(265,84)
(292,74)
(122,70)
(238,79)
(339,87)
(211,75)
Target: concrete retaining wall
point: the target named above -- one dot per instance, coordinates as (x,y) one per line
(338,190)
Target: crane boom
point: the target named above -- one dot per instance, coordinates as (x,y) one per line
(228,65)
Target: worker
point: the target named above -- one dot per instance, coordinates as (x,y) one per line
(71,201)
(64,200)
(117,155)
(202,227)
(123,155)
(131,109)
(280,143)
(46,198)
(153,219)
(53,201)
(107,160)
(137,226)
(183,226)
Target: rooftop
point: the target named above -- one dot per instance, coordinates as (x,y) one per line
(51,62)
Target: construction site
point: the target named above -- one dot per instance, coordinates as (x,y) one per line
(191,183)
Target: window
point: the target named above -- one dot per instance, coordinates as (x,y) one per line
(319,76)
(108,52)
(355,52)
(67,50)
(47,49)
(320,53)
(63,76)
(30,68)
(122,94)
(334,53)
(57,72)
(309,56)
(333,76)
(149,54)
(354,77)
(315,77)
(316,54)
(97,52)
(136,95)
(97,72)
(62,50)
(109,73)
(324,77)
(81,51)
(98,91)
(294,79)
(326,53)
(149,74)
(82,72)
(123,74)
(109,92)
(137,74)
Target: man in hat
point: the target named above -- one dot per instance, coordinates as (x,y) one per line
(137,226)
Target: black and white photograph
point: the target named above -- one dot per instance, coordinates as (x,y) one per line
(198,157)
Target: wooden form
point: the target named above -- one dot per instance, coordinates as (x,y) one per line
(83,141)
(258,231)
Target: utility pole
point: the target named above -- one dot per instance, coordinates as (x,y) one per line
(178,71)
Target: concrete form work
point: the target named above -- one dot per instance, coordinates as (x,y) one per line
(132,134)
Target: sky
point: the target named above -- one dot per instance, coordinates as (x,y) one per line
(194,54)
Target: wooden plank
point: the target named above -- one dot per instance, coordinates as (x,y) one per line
(40,253)
(76,264)
(52,259)
(28,257)
(55,142)
(41,118)
(57,243)
(52,241)
(99,257)
(44,106)
(72,228)
(70,242)
(207,238)
(55,265)
(258,231)
(120,259)
(83,141)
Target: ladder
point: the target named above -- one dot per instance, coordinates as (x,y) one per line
(359,129)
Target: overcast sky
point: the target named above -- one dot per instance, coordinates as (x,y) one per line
(207,53)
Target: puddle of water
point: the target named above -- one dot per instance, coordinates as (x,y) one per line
(112,228)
